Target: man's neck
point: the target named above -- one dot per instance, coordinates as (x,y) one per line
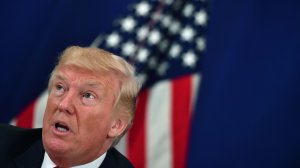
(48,163)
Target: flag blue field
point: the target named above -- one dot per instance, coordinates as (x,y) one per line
(221,77)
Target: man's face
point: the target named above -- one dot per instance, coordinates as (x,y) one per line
(79,120)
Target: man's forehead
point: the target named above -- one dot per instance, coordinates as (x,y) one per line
(86,77)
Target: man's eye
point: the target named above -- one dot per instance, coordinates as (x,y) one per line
(88,95)
(59,87)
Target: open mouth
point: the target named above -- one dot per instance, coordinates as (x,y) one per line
(61,127)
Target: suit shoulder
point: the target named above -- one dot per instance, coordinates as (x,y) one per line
(16,133)
(15,140)
(115,159)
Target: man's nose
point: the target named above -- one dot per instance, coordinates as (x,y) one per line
(66,103)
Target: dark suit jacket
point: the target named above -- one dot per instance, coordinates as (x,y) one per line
(23,148)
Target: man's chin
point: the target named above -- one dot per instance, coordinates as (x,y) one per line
(55,145)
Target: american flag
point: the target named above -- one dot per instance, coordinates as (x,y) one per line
(165,40)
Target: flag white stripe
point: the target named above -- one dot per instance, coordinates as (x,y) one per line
(158,127)
(196,81)
(39,110)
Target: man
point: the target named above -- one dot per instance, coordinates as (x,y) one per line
(91,105)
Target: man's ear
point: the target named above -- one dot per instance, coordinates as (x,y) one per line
(118,127)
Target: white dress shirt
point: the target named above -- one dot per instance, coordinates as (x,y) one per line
(48,163)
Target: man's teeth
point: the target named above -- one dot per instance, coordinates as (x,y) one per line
(62,129)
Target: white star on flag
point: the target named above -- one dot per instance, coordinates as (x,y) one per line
(113,40)
(128,24)
(154,37)
(174,27)
(200,42)
(128,48)
(152,63)
(189,59)
(201,18)
(188,10)
(142,55)
(187,33)
(175,50)
(142,32)
(142,9)
(162,69)
(166,20)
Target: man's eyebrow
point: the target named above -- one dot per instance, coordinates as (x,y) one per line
(95,84)
(59,77)
(89,82)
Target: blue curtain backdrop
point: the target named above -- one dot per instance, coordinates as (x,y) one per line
(248,111)
(33,33)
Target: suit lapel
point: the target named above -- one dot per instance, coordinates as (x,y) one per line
(115,159)
(33,157)
(109,160)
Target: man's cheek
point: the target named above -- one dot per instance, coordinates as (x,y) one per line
(52,103)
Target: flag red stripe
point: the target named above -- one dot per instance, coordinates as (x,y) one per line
(181,90)
(25,118)
(137,135)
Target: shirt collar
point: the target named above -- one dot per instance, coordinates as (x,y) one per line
(48,163)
